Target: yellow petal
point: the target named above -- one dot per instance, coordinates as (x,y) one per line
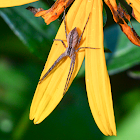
(50,91)
(97,79)
(135,4)
(11,3)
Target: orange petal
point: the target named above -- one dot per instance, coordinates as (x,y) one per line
(119,16)
(112,3)
(50,91)
(11,3)
(135,4)
(55,11)
(97,79)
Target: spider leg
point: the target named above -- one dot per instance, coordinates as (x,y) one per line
(82,32)
(70,73)
(65,21)
(85,48)
(51,68)
(61,41)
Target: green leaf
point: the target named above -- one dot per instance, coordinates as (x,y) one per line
(106,50)
(134,74)
(128,129)
(13,84)
(32,31)
(124,54)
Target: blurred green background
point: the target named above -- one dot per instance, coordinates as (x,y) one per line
(25,42)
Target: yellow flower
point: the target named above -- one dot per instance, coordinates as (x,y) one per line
(50,91)
(11,3)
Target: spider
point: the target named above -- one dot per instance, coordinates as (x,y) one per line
(73,41)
